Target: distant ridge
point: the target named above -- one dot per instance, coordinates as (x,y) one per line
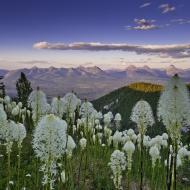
(90,82)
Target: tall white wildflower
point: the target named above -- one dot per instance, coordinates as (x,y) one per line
(7,99)
(50,137)
(70,146)
(3,123)
(117,120)
(173,107)
(130,132)
(129,148)
(99,115)
(86,109)
(19,133)
(146,141)
(110,114)
(183,152)
(155,154)
(165,136)
(156,141)
(57,106)
(107,119)
(49,144)
(15,111)
(173,110)
(63,177)
(38,102)
(118,165)
(83,143)
(117,138)
(93,118)
(10,135)
(142,115)
(107,132)
(70,103)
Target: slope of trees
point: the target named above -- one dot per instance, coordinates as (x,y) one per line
(122,101)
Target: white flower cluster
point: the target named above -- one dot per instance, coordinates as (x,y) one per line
(57,106)
(183,152)
(50,173)
(129,148)
(159,141)
(12,132)
(173,107)
(83,143)
(129,135)
(49,144)
(3,123)
(14,111)
(117,138)
(117,120)
(50,137)
(70,146)
(117,164)
(142,115)
(107,119)
(70,103)
(38,102)
(19,133)
(86,110)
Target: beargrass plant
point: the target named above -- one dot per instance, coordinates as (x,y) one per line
(142,115)
(49,144)
(173,110)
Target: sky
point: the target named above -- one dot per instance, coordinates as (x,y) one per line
(106,33)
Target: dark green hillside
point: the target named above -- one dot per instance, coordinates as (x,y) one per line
(122,100)
(127,97)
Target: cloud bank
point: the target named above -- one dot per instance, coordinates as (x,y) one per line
(174,51)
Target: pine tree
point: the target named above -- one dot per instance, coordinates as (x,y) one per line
(2,88)
(24,89)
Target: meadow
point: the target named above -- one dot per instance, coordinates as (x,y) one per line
(70,145)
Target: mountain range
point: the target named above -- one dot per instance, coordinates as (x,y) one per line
(90,82)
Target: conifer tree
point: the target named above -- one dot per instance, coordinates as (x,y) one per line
(2,88)
(24,89)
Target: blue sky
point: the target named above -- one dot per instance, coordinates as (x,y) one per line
(27,24)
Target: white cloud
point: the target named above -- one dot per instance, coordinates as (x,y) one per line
(145,5)
(143,24)
(167,8)
(181,21)
(175,50)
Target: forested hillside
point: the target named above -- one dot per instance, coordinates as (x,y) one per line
(123,99)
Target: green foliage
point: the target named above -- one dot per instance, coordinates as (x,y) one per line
(24,89)
(125,98)
(122,101)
